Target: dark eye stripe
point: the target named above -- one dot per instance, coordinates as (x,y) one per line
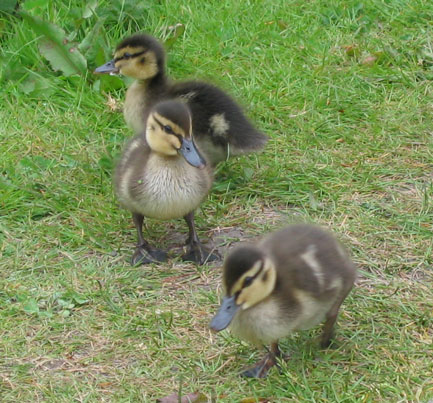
(168,129)
(162,126)
(248,280)
(128,56)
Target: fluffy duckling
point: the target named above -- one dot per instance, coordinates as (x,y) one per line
(162,175)
(220,127)
(292,280)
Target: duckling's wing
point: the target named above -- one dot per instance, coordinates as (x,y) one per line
(216,115)
(309,259)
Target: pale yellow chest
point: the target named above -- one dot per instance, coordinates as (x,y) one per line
(268,321)
(163,189)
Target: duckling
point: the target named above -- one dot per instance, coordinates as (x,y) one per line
(291,280)
(220,127)
(163,175)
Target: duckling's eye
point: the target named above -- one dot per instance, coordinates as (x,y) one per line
(168,129)
(247,281)
(127,55)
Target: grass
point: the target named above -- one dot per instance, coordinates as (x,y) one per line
(344,89)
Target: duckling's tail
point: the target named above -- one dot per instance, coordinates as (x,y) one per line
(251,141)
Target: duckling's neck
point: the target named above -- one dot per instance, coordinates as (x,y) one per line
(155,85)
(140,96)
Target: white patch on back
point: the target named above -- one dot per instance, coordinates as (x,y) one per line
(219,124)
(309,257)
(336,283)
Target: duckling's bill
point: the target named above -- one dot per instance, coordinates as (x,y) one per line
(191,154)
(225,314)
(107,68)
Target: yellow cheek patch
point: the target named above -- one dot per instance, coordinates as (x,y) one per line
(174,141)
(159,141)
(143,66)
(261,287)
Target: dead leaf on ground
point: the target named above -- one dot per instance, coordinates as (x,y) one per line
(112,104)
(282,24)
(369,60)
(189,398)
(173,32)
(351,50)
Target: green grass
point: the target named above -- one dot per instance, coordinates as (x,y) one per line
(344,90)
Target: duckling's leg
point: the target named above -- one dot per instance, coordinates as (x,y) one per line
(196,252)
(144,253)
(261,369)
(331,317)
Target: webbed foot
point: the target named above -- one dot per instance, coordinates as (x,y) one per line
(261,369)
(144,254)
(330,344)
(197,253)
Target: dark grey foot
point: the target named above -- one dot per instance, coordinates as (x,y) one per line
(145,255)
(261,369)
(197,253)
(327,339)
(329,344)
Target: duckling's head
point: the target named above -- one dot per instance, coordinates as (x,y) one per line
(139,56)
(169,132)
(248,278)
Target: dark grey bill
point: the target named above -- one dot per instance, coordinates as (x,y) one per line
(191,154)
(225,314)
(107,68)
